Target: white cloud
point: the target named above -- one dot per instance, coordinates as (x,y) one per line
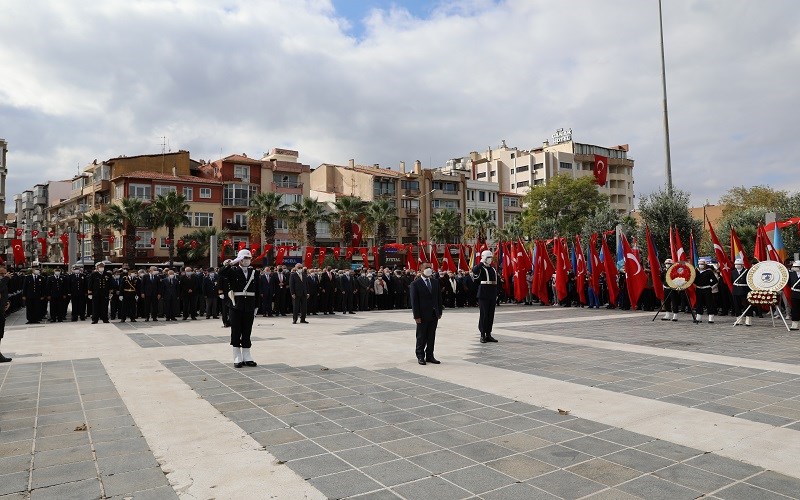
(86,80)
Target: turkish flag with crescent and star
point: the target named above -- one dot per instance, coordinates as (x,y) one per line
(635,277)
(722,258)
(19,252)
(600,169)
(309,256)
(580,270)
(321,257)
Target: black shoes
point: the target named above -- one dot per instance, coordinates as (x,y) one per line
(304,321)
(421,361)
(434,361)
(250,363)
(4,359)
(238,365)
(489,338)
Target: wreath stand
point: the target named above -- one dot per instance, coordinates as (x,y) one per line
(772,310)
(684,295)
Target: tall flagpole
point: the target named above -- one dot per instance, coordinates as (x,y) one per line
(664,90)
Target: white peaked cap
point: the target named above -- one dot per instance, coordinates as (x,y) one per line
(486,253)
(701,260)
(243,254)
(796,263)
(738,261)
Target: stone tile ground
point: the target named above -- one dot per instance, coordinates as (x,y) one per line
(149,340)
(66,433)
(758,395)
(359,433)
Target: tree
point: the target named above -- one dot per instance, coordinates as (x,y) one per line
(445,226)
(201,252)
(169,211)
(307,213)
(740,198)
(380,221)
(98,222)
(348,210)
(511,231)
(265,210)
(125,217)
(479,223)
(563,205)
(660,211)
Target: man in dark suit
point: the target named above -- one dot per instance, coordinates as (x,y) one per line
(116,286)
(189,291)
(280,289)
(34,296)
(76,291)
(131,288)
(149,294)
(426,306)
(347,287)
(57,295)
(100,288)
(298,287)
(169,288)
(210,292)
(313,293)
(265,292)
(327,291)
(486,280)
(4,306)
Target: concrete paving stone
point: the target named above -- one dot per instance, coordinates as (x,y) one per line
(131,482)
(62,456)
(565,484)
(160,493)
(58,409)
(719,408)
(593,446)
(485,430)
(116,411)
(368,455)
(121,447)
(778,483)
(439,462)
(623,437)
(58,474)
(519,423)
(43,431)
(252,413)
(604,472)
(422,427)
(521,467)
(553,433)
(456,420)
(13,482)
(520,442)
(584,426)
(11,435)
(383,434)
(432,487)
(431,411)
(59,400)
(377,495)
(76,438)
(723,466)
(395,472)
(396,417)
(344,484)
(296,450)
(671,451)
(111,423)
(451,438)
(17,414)
(550,416)
(517,491)
(478,479)
(233,406)
(614,494)
(559,456)
(639,460)
(285,409)
(17,463)
(410,446)
(313,430)
(19,423)
(693,478)
(360,423)
(340,413)
(320,465)
(343,441)
(88,489)
(115,434)
(483,451)
(765,418)
(651,487)
(126,463)
(274,437)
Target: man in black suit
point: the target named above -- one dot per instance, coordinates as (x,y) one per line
(210,292)
(347,287)
(4,306)
(169,289)
(280,289)
(265,292)
(426,306)
(34,296)
(57,295)
(100,288)
(313,292)
(327,291)
(189,291)
(150,295)
(298,287)
(76,291)
(116,286)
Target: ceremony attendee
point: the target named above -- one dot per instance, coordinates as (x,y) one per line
(298,288)
(77,291)
(169,289)
(4,307)
(485,278)
(313,291)
(672,299)
(100,289)
(740,291)
(210,294)
(280,289)
(241,287)
(149,294)
(364,289)
(57,289)
(426,307)
(130,295)
(116,300)
(348,288)
(189,290)
(34,296)
(265,292)
(224,301)
(794,285)
(704,281)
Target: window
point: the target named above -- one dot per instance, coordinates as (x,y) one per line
(242,172)
(139,191)
(447,204)
(493,197)
(411,185)
(523,168)
(409,204)
(205,193)
(538,182)
(143,239)
(512,186)
(492,173)
(119,191)
(235,240)
(510,202)
(188,193)
(481,195)
(383,187)
(165,190)
(240,220)
(538,166)
(513,155)
(202,219)
(446,186)
(162,242)
(286,180)
(117,242)
(288,199)
(288,243)
(564,164)
(281,225)
(238,194)
(522,184)
(480,175)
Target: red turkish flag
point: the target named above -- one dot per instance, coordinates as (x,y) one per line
(434,258)
(19,232)
(600,169)
(597,266)
(309,256)
(348,254)
(635,277)
(356,229)
(3,230)
(152,241)
(281,254)
(611,273)
(580,271)
(364,251)
(447,260)
(559,248)
(337,252)
(411,262)
(43,243)
(544,272)
(19,252)
(321,257)
(35,233)
(462,258)
(375,257)
(725,265)
(655,267)
(422,256)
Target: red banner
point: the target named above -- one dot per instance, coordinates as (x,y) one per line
(43,243)
(600,169)
(281,254)
(635,277)
(411,262)
(364,251)
(348,255)
(434,258)
(309,257)
(580,270)
(337,252)
(462,259)
(65,247)
(655,266)
(321,257)
(356,229)
(375,257)
(19,232)
(19,252)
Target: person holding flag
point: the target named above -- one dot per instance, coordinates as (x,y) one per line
(704,281)
(740,290)
(485,279)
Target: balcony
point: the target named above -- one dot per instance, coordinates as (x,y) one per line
(40,200)
(235,226)
(411,211)
(102,185)
(411,191)
(287,187)
(382,193)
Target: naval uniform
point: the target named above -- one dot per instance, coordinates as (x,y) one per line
(129,293)
(485,279)
(740,290)
(99,289)
(243,282)
(34,294)
(794,285)
(704,281)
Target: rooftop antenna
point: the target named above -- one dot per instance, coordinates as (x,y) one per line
(163,152)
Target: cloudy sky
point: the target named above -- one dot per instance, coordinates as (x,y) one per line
(383,81)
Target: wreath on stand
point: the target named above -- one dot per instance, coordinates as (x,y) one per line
(762,297)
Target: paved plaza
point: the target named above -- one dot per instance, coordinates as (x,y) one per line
(571,403)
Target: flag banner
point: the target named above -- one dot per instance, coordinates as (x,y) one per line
(693,247)
(672,248)
(364,251)
(777,244)
(611,275)
(600,169)
(580,269)
(679,251)
(337,252)
(308,257)
(321,257)
(19,252)
(737,249)
(462,260)
(655,266)
(348,255)
(597,265)
(447,259)
(376,257)
(722,258)
(434,257)
(356,230)
(760,250)
(635,277)
(411,262)
(281,254)
(43,244)
(523,265)
(562,278)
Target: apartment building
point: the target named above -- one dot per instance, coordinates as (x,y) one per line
(517,170)
(32,212)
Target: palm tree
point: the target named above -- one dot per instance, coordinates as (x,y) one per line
(511,231)
(169,211)
(126,217)
(307,212)
(379,220)
(265,209)
(203,238)
(445,226)
(479,223)
(349,210)
(98,221)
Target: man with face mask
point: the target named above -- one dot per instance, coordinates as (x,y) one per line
(4,307)
(279,282)
(131,289)
(298,288)
(485,279)
(57,295)
(100,288)
(241,287)
(348,288)
(149,295)
(169,289)
(34,296)
(740,290)
(76,292)
(704,281)
(426,307)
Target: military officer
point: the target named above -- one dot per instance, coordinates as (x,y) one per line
(129,293)
(76,291)
(34,295)
(57,290)
(485,279)
(704,281)
(240,285)
(672,298)
(99,290)
(740,290)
